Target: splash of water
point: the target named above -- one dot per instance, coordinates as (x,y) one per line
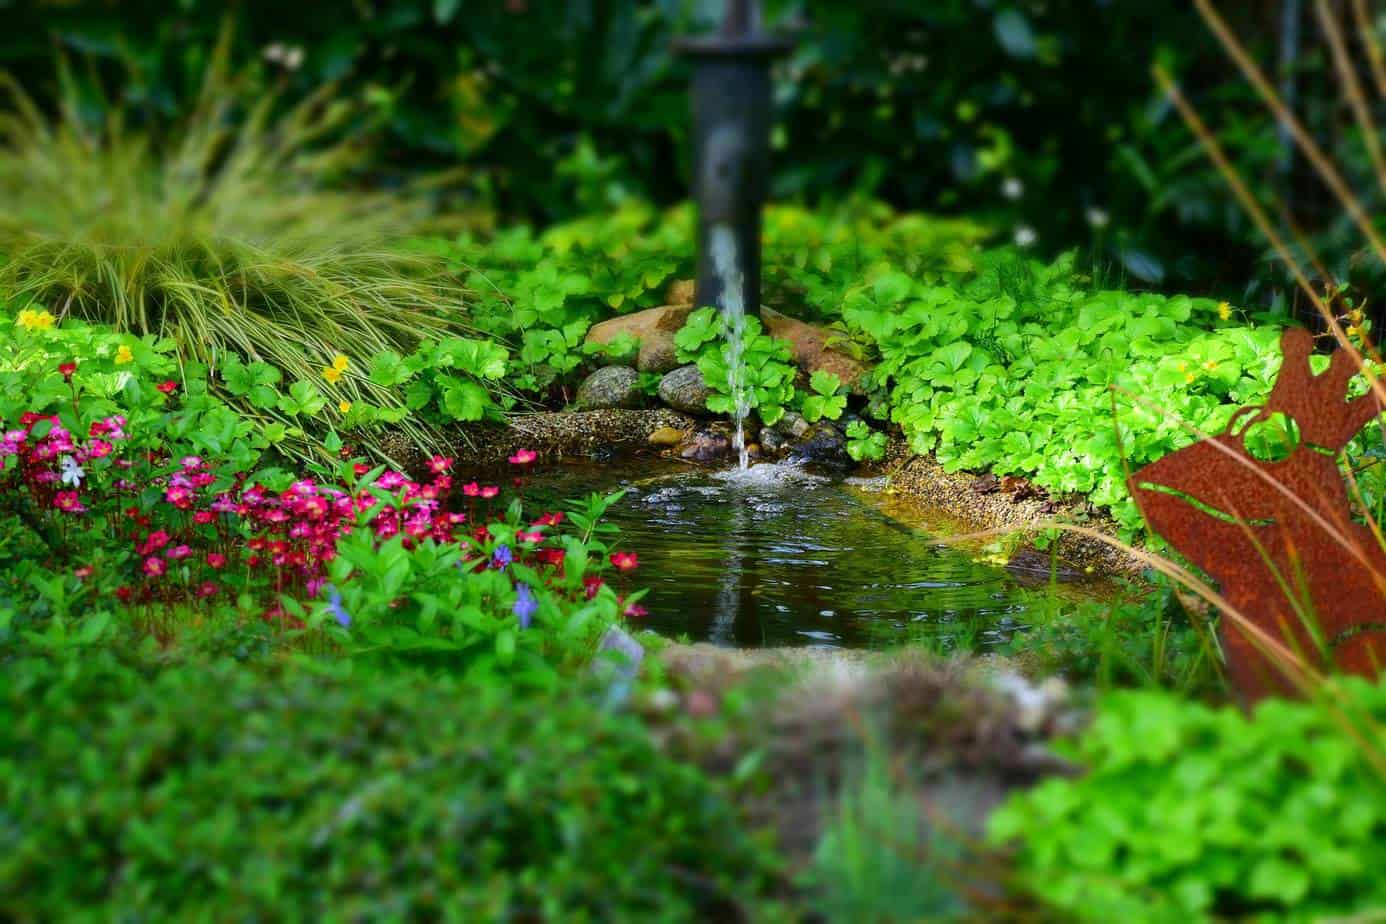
(726,264)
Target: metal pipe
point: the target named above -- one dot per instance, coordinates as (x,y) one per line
(731,108)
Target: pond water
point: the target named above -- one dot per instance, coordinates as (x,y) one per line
(773,556)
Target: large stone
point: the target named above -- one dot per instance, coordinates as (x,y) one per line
(822,444)
(811,350)
(610,387)
(654,328)
(684,390)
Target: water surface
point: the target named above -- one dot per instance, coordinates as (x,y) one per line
(771,557)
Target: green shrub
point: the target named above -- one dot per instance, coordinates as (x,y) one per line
(215,793)
(233,235)
(1189,813)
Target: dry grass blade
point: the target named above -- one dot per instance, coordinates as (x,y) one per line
(1367,33)
(1321,163)
(1352,89)
(1258,216)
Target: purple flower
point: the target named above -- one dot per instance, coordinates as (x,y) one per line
(334,606)
(502,556)
(525,605)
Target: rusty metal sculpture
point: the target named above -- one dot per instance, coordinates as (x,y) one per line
(1279,537)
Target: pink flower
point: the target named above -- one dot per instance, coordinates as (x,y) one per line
(635,611)
(191,463)
(69,502)
(179,497)
(178,552)
(83,572)
(529,537)
(471,489)
(439,464)
(99,449)
(206,589)
(204,517)
(153,542)
(625,561)
(216,561)
(523,457)
(489,491)
(154,567)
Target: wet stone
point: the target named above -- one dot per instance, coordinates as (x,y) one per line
(684,390)
(610,387)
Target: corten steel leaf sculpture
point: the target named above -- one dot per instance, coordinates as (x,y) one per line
(1279,536)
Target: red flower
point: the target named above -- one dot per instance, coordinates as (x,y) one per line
(625,561)
(216,560)
(123,594)
(590,585)
(206,589)
(550,519)
(67,369)
(168,387)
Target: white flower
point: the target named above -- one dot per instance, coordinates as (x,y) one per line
(1025,236)
(72,472)
(1012,188)
(1098,218)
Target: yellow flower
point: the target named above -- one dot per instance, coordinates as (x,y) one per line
(1354,330)
(1224,310)
(340,362)
(1189,378)
(1182,367)
(34,320)
(332,374)
(1210,365)
(123,355)
(343,406)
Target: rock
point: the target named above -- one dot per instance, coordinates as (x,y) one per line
(684,390)
(772,441)
(610,387)
(823,444)
(791,424)
(811,350)
(617,663)
(654,328)
(705,446)
(667,436)
(681,292)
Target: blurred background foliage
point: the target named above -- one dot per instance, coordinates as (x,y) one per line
(1036,116)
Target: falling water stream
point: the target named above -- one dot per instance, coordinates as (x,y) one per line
(726,264)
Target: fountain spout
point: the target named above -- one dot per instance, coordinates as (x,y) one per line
(731,147)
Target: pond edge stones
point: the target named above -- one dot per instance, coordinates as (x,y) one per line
(610,387)
(683,389)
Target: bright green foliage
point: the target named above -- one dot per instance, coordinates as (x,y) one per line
(448,380)
(1016,370)
(883,856)
(865,444)
(1190,814)
(544,290)
(310,794)
(824,400)
(768,384)
(452,606)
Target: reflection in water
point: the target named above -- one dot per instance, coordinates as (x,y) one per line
(770,556)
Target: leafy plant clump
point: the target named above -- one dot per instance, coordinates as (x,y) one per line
(214,789)
(766,375)
(233,235)
(1189,813)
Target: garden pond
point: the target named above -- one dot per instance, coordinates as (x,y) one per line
(775,556)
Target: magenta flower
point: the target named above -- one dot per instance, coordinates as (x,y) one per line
(440,464)
(625,561)
(69,502)
(489,491)
(523,457)
(155,567)
(216,561)
(178,552)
